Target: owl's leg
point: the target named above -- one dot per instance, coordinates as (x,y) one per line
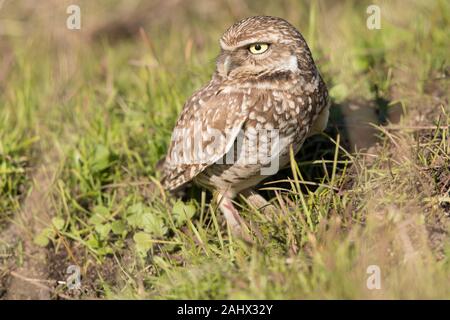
(230,212)
(258,201)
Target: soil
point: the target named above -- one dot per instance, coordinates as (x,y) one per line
(26,263)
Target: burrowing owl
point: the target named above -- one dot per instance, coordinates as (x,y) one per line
(265,97)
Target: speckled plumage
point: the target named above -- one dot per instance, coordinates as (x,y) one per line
(280,89)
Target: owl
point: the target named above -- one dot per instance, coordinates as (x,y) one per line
(265,98)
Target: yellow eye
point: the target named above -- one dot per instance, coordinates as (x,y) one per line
(258,48)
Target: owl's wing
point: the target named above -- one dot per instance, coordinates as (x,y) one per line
(205,131)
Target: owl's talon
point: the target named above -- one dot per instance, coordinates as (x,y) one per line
(258,201)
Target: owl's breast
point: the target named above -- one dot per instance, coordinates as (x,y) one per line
(275,121)
(282,111)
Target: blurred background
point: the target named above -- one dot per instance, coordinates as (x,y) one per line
(358,64)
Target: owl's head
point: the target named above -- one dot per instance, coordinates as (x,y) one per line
(263,46)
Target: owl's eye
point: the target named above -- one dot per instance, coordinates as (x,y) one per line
(258,48)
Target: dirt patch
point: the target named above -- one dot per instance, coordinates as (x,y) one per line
(423,121)
(92,276)
(24,263)
(31,272)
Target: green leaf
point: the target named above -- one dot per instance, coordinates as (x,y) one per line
(183,212)
(134,219)
(151,223)
(101,210)
(104,251)
(143,242)
(118,227)
(100,215)
(103,230)
(142,217)
(101,159)
(136,208)
(44,237)
(58,223)
(93,242)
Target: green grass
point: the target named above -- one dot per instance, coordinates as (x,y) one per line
(98,112)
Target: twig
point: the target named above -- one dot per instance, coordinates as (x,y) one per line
(38,283)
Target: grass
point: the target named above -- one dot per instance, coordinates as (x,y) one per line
(96,111)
